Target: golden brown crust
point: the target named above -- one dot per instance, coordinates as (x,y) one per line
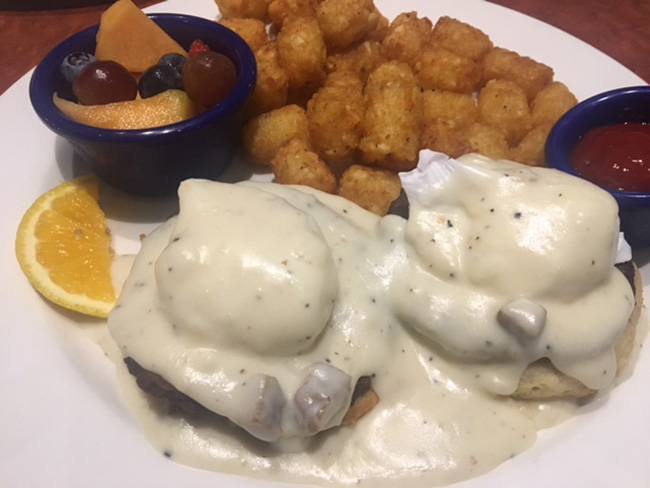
(440,69)
(272,86)
(392,119)
(334,114)
(407,34)
(461,38)
(502,104)
(360,407)
(253,31)
(370,188)
(296,164)
(264,135)
(302,52)
(344,22)
(530,75)
(530,150)
(550,103)
(542,381)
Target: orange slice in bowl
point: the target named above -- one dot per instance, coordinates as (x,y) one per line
(63,247)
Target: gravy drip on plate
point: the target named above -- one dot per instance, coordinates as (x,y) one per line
(257,280)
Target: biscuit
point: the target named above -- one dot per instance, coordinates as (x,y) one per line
(542,381)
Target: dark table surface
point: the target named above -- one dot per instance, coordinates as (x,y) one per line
(619,29)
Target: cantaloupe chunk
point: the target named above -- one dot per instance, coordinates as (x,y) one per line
(128,36)
(168,107)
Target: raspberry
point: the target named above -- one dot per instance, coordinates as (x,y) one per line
(198,46)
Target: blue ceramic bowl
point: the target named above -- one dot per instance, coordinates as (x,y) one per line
(152,162)
(624,105)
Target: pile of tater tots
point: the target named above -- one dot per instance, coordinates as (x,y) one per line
(345,98)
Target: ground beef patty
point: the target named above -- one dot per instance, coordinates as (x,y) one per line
(364,397)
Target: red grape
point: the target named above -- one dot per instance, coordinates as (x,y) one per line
(103,82)
(208,77)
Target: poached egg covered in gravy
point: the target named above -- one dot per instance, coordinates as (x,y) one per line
(266,303)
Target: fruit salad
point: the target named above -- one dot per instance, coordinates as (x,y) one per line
(148,82)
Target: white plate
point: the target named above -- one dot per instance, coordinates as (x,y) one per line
(62,423)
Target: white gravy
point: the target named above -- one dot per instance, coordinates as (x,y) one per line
(262,280)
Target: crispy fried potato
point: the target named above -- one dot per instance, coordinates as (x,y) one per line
(461,38)
(392,118)
(356,88)
(530,75)
(345,22)
(551,103)
(301,51)
(334,114)
(253,31)
(255,9)
(264,135)
(486,140)
(439,69)
(301,96)
(439,135)
(372,189)
(379,32)
(296,164)
(530,150)
(361,59)
(281,9)
(459,110)
(406,36)
(503,104)
(272,85)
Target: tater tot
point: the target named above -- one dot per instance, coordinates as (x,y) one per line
(503,104)
(530,75)
(530,150)
(551,103)
(346,98)
(281,9)
(361,59)
(406,36)
(272,84)
(439,136)
(439,69)
(334,114)
(486,140)
(459,110)
(264,135)
(461,38)
(296,164)
(380,30)
(255,9)
(392,117)
(372,189)
(253,31)
(301,51)
(344,22)
(301,96)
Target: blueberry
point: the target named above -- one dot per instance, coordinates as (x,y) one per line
(175,60)
(74,63)
(157,79)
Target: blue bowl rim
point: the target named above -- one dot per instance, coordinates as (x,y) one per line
(41,94)
(558,154)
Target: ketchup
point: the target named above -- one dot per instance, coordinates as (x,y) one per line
(615,156)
